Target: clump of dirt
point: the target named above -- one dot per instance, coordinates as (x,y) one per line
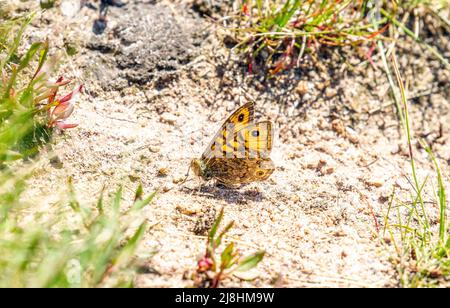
(216,9)
(151,46)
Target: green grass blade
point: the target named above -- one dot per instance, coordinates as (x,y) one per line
(250,262)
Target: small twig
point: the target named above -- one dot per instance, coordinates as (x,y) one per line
(372,212)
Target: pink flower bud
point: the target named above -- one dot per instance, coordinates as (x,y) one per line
(54,91)
(63,125)
(204,264)
(71,95)
(62,111)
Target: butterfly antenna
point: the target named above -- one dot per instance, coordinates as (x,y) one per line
(187,175)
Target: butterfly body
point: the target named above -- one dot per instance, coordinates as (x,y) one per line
(239,152)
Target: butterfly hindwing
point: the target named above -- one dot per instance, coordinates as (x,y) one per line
(232,171)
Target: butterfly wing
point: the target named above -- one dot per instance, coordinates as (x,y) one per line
(247,159)
(240,118)
(232,171)
(254,140)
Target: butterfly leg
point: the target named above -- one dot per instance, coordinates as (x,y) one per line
(200,186)
(186,176)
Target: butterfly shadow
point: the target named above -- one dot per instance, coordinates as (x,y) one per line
(234,195)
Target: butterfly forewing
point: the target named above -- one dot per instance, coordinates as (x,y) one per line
(221,145)
(254,140)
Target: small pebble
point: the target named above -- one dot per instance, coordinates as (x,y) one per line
(329,170)
(338,127)
(375,182)
(168,118)
(330,92)
(56,162)
(302,88)
(178,179)
(167,187)
(133,178)
(154,148)
(189,209)
(163,171)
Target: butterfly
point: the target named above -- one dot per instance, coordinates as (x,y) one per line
(239,152)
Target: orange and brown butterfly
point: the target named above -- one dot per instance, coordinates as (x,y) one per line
(239,152)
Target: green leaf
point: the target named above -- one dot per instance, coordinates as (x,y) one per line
(117,200)
(12,155)
(73,202)
(42,58)
(218,240)
(100,201)
(26,99)
(16,42)
(47,4)
(29,55)
(139,192)
(227,255)
(215,226)
(250,262)
(141,203)
(11,82)
(130,247)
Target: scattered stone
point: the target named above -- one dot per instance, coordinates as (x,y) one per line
(375,182)
(339,233)
(338,126)
(163,171)
(167,187)
(292,155)
(322,162)
(295,198)
(168,118)
(205,221)
(343,131)
(352,135)
(189,209)
(387,240)
(330,92)
(246,224)
(133,178)
(154,148)
(178,179)
(329,170)
(69,8)
(302,87)
(312,165)
(56,162)
(322,85)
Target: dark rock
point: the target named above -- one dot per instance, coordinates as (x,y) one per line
(147,44)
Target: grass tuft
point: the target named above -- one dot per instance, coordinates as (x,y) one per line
(73,245)
(213,268)
(277,35)
(422,245)
(69,243)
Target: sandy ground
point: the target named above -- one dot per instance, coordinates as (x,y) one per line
(159,82)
